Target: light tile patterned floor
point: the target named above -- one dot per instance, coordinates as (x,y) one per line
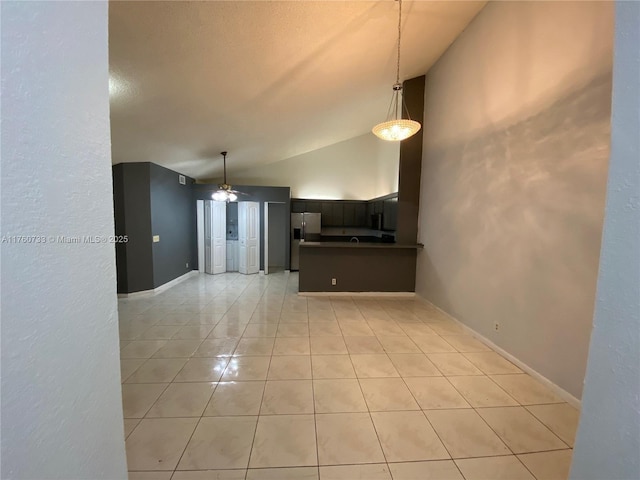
(238,377)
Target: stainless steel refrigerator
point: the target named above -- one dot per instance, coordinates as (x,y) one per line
(304,227)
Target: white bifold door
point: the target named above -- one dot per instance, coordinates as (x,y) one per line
(248,237)
(215,238)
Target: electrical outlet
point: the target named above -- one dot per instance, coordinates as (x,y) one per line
(334,281)
(496,326)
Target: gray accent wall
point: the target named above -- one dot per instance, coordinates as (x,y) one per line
(608,439)
(173,218)
(514,169)
(148,201)
(132,207)
(410,166)
(278,231)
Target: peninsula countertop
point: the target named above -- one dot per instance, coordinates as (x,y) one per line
(359,245)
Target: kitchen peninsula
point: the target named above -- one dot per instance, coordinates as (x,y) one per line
(357,267)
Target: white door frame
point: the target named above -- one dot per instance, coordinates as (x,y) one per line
(219,237)
(207,238)
(266,238)
(200,230)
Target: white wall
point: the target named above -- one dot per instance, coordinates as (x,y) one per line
(516,145)
(360,168)
(608,439)
(61,400)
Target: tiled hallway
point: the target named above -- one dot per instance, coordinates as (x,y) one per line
(234,377)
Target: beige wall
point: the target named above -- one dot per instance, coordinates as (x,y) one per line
(360,168)
(514,172)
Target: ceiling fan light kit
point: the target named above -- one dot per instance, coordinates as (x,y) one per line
(225,193)
(396,128)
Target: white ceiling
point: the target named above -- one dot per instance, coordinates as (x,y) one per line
(265,80)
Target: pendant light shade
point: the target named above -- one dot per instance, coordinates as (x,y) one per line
(396,128)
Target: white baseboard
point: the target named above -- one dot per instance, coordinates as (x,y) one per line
(556,389)
(358,294)
(161,288)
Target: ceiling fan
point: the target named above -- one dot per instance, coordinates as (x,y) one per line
(225,192)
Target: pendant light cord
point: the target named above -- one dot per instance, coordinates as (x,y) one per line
(399,35)
(398,86)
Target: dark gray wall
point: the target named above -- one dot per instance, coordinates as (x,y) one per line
(203,191)
(118,212)
(410,166)
(174,220)
(357,269)
(148,201)
(278,237)
(132,202)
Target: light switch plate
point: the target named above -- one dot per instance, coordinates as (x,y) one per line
(156,238)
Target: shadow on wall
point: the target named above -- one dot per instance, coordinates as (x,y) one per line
(513,228)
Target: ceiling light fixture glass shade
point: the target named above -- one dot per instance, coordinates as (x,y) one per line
(224,192)
(223,195)
(396,128)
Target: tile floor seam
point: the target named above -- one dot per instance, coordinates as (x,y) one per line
(194,431)
(538,420)
(259,415)
(545,424)
(384,455)
(493,430)
(432,426)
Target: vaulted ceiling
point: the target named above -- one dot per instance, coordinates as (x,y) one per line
(265,80)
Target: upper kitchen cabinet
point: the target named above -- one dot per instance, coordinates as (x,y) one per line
(338,214)
(361,217)
(327,214)
(390,214)
(298,206)
(350,213)
(313,207)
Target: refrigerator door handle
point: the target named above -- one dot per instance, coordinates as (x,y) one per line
(304,224)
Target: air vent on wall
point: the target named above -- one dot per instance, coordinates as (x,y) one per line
(182,179)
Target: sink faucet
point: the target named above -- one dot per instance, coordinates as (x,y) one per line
(354,238)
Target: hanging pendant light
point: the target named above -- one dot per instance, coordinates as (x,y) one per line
(224,192)
(396,128)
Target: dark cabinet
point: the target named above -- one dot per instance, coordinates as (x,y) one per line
(337,214)
(390,214)
(349,215)
(327,214)
(314,207)
(361,215)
